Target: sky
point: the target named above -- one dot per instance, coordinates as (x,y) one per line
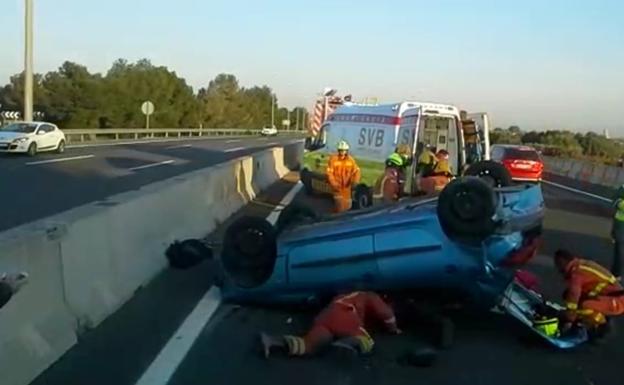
(556,64)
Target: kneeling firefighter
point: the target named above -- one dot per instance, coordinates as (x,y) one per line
(592,292)
(342,173)
(342,321)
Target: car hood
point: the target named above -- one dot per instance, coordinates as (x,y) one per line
(10,136)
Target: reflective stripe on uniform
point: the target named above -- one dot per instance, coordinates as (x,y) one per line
(619,213)
(571,306)
(366,341)
(296,345)
(606,277)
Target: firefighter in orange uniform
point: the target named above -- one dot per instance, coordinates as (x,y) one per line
(342,173)
(342,320)
(592,291)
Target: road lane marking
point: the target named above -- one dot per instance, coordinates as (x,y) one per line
(577,191)
(60,160)
(152,165)
(171,356)
(234,149)
(179,146)
(233,141)
(272,144)
(175,350)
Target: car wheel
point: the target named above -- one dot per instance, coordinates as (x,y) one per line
(32,149)
(362,196)
(306,178)
(293,214)
(493,173)
(466,208)
(61,147)
(249,251)
(188,253)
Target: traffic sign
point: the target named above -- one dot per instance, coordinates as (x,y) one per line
(11,114)
(147,108)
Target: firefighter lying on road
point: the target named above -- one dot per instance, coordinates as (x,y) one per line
(592,292)
(342,322)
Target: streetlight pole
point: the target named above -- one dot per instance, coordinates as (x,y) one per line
(28,62)
(272,110)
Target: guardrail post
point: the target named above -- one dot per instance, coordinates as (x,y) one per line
(116,136)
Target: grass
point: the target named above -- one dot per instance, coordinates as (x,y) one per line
(317,161)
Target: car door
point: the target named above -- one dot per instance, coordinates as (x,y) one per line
(45,137)
(333,262)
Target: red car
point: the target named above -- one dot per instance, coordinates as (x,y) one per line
(523,162)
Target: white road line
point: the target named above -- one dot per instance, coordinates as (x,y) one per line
(179,146)
(233,141)
(173,353)
(272,144)
(170,357)
(234,149)
(284,202)
(577,191)
(151,165)
(60,160)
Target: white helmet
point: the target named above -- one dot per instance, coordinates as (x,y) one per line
(343,145)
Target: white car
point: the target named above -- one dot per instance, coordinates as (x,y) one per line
(31,138)
(269,131)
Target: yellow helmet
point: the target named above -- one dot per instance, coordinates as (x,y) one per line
(343,145)
(548,326)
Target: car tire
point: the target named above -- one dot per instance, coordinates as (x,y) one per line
(188,253)
(493,173)
(362,196)
(249,251)
(306,178)
(61,147)
(294,214)
(466,208)
(32,149)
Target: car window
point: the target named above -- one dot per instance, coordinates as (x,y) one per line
(47,127)
(516,153)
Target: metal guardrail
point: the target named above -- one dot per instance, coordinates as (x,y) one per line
(114,134)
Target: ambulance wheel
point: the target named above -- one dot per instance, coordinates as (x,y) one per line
(493,173)
(465,210)
(362,197)
(187,254)
(295,213)
(306,178)
(249,251)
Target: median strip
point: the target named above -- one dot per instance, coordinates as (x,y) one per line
(60,160)
(152,165)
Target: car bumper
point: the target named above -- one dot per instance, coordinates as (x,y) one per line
(13,147)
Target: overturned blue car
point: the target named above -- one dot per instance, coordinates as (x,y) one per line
(462,241)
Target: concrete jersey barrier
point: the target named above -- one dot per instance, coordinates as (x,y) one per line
(85,263)
(587,172)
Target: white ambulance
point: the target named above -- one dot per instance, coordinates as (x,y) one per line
(374,132)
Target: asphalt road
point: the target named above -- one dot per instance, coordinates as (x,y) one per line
(489,349)
(33,188)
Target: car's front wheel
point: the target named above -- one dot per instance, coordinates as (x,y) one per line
(61,147)
(32,149)
(466,208)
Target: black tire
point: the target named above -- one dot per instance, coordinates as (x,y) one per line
(362,197)
(187,254)
(6,292)
(493,173)
(249,251)
(294,214)
(32,149)
(465,210)
(306,178)
(61,147)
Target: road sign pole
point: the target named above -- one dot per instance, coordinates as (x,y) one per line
(147,121)
(28,61)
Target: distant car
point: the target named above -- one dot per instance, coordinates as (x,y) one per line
(31,138)
(269,131)
(523,162)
